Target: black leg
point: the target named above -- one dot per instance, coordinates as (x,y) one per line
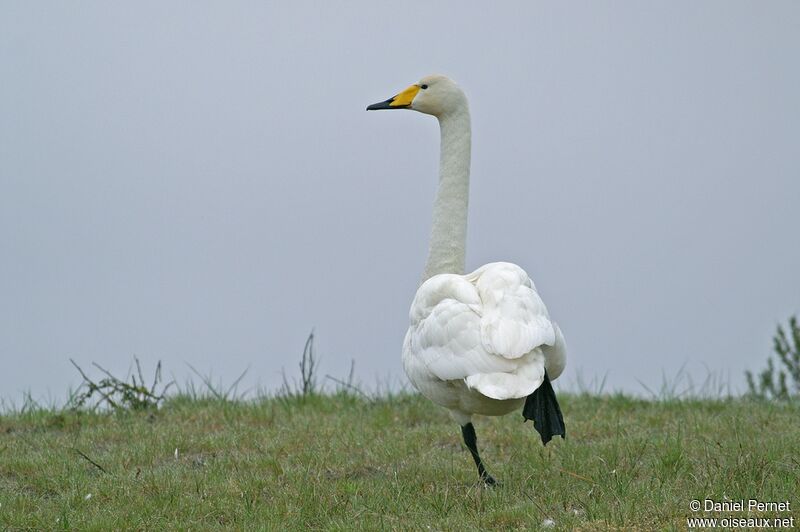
(471,441)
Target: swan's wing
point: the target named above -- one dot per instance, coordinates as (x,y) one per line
(485,328)
(515,320)
(444,337)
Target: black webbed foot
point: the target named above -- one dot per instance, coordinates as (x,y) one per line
(490,482)
(542,407)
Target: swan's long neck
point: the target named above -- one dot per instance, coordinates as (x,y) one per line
(449,232)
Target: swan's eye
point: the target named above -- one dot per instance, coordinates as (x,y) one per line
(423,87)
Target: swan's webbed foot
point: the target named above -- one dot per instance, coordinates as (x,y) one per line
(542,407)
(490,482)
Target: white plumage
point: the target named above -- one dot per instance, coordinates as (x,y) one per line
(479,343)
(482,342)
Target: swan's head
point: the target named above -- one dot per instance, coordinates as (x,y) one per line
(435,95)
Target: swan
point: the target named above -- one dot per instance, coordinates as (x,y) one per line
(479,343)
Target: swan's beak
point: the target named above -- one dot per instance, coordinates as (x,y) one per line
(400,101)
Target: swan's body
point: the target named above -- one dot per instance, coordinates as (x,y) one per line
(480,343)
(483,342)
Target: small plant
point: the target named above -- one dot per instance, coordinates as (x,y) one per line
(787,347)
(308,378)
(118,394)
(307,366)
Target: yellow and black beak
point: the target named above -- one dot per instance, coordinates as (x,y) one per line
(400,101)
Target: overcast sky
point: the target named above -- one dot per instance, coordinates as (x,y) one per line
(199,182)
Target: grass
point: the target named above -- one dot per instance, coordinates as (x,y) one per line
(345,462)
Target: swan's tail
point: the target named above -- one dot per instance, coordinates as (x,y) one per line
(542,407)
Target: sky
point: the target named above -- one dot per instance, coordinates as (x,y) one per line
(199,183)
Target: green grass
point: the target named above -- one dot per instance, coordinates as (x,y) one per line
(342,462)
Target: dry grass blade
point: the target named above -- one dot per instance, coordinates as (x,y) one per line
(85,457)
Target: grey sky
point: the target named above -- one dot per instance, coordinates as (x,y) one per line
(199,182)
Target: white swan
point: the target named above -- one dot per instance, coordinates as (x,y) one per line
(483,342)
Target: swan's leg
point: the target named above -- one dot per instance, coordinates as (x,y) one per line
(471,441)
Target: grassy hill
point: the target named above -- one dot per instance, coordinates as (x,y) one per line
(345,462)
